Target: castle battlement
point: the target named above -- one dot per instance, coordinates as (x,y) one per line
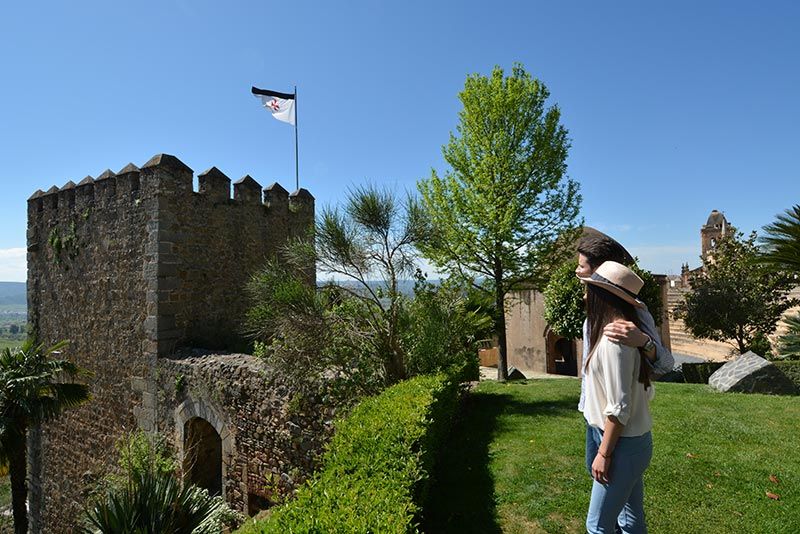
(165,175)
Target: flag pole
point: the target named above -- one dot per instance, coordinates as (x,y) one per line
(296,159)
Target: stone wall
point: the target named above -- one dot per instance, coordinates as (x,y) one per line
(268,444)
(526,331)
(129,267)
(85,284)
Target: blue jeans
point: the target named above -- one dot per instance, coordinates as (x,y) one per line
(621,501)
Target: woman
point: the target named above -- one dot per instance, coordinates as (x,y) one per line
(618,391)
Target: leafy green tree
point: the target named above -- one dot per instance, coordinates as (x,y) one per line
(33,391)
(504,212)
(782,243)
(738,299)
(442,328)
(564,308)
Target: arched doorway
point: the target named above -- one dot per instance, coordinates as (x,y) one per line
(561,357)
(202,455)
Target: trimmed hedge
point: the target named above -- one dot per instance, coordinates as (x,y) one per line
(791,368)
(698,373)
(376,471)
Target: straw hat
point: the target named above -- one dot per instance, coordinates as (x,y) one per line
(617,279)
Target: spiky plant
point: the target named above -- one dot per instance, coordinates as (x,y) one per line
(153,502)
(782,251)
(782,241)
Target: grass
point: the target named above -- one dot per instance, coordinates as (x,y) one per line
(10,343)
(515,462)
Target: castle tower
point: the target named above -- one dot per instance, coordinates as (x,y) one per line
(130,267)
(716,227)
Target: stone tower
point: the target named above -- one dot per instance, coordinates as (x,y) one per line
(715,228)
(131,267)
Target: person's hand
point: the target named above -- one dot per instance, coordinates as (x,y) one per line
(625,333)
(601,469)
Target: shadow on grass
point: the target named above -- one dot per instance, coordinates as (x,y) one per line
(462,496)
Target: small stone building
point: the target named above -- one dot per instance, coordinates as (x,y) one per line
(139,271)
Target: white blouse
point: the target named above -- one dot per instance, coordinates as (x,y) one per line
(613,388)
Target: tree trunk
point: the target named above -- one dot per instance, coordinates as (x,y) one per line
(740,339)
(17,470)
(500,330)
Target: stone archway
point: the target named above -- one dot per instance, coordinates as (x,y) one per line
(202,455)
(561,354)
(205,444)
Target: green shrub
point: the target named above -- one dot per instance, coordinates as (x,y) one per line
(377,467)
(698,373)
(440,332)
(563,302)
(790,368)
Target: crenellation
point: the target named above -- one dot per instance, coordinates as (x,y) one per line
(247,191)
(84,194)
(105,188)
(128,182)
(302,198)
(66,196)
(301,208)
(215,185)
(164,174)
(51,199)
(276,197)
(35,205)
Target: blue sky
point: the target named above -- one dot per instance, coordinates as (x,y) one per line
(673,108)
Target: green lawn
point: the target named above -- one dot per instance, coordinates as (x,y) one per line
(515,462)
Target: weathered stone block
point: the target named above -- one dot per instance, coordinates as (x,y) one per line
(215,184)
(247,191)
(750,373)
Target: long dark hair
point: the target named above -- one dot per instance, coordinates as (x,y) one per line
(603,307)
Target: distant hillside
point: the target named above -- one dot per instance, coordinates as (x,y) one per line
(13,293)
(406,287)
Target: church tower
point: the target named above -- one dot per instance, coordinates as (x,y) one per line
(716,227)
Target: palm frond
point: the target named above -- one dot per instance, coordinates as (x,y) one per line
(782,241)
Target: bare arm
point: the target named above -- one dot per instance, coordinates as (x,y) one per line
(627,333)
(601,466)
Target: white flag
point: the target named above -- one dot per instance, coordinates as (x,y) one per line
(281,105)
